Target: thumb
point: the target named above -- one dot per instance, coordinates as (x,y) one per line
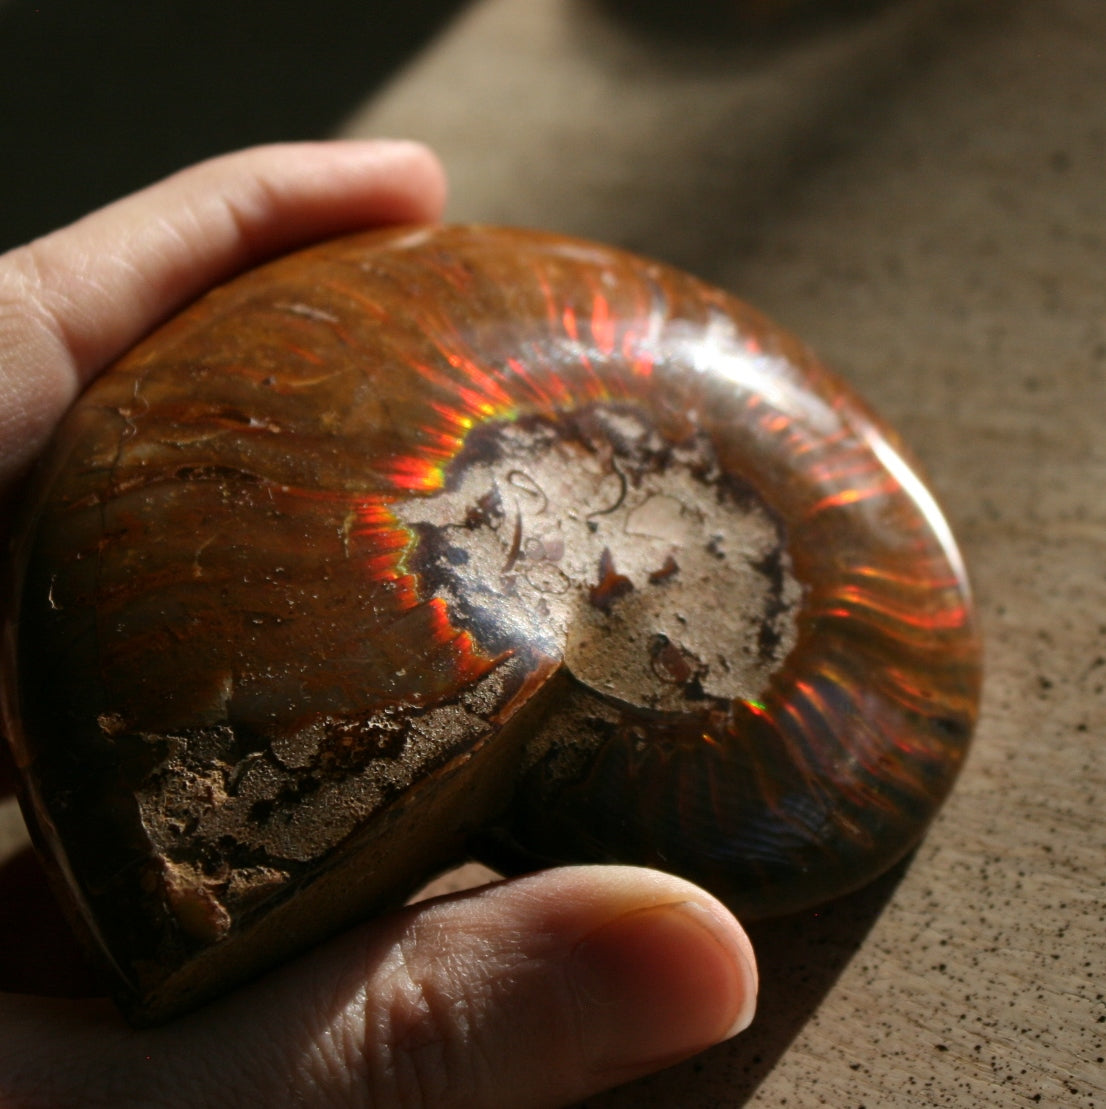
(533,992)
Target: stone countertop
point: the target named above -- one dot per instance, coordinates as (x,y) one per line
(918,188)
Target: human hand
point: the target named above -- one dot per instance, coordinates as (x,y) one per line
(536,991)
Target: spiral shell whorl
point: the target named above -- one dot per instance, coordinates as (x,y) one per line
(581,555)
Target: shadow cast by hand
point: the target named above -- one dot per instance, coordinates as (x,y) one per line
(725,24)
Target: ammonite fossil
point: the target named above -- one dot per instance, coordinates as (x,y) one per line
(444,541)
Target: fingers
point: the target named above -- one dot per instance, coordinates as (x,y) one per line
(76,299)
(533,992)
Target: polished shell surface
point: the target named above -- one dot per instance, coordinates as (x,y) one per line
(463,539)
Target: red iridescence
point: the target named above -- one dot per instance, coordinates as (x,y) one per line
(311,565)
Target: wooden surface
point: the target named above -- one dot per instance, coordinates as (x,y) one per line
(919,189)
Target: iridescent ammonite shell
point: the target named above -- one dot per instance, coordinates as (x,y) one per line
(454,540)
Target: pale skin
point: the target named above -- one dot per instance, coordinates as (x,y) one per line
(537,991)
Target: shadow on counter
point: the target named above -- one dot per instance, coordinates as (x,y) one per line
(721,119)
(727,23)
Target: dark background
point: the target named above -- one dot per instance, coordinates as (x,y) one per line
(100,97)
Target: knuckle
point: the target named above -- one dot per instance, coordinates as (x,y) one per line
(424,1033)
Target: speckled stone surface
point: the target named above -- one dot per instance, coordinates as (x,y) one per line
(920,190)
